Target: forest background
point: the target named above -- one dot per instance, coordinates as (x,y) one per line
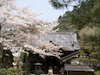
(85,21)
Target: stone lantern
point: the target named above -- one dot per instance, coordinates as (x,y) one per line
(38,70)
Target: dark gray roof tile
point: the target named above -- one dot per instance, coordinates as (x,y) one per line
(66,39)
(77,68)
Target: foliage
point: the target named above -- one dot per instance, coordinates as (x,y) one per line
(65,3)
(89,42)
(1,50)
(80,16)
(56,4)
(7,59)
(97,73)
(19,30)
(25,59)
(9,71)
(85,20)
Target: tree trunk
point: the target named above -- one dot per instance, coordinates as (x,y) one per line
(0,31)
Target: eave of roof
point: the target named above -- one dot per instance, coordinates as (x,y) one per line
(70,56)
(78,68)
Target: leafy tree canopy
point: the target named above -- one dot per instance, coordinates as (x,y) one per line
(85,20)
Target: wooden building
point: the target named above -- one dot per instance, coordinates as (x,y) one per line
(70,46)
(78,70)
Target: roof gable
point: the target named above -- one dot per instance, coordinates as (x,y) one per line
(66,39)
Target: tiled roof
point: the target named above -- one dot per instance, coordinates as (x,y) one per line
(77,68)
(66,39)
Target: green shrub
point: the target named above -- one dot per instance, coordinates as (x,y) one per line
(9,71)
(97,73)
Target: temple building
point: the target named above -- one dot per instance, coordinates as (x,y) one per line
(70,47)
(69,43)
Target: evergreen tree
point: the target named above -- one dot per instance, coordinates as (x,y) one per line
(85,20)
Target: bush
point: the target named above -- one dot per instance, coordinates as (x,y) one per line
(97,73)
(9,71)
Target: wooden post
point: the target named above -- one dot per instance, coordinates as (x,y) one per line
(67,72)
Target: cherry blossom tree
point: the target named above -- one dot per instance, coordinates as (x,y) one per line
(19,29)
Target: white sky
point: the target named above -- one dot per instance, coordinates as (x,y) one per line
(43,7)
